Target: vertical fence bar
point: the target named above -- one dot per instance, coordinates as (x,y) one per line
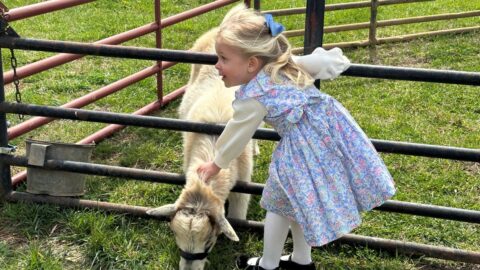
(247,3)
(372,34)
(256,4)
(2,6)
(314,23)
(158,42)
(6,182)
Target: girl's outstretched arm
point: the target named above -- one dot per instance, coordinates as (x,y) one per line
(323,64)
(247,117)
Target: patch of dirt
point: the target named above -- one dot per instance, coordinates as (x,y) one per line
(473,168)
(68,252)
(9,236)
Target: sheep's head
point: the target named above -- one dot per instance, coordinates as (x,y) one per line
(197,218)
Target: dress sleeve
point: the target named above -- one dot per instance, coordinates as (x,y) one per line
(247,117)
(322,64)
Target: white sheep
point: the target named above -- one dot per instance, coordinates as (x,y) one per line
(198,215)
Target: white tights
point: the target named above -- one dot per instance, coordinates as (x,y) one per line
(275,234)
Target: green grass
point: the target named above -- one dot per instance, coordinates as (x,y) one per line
(34,236)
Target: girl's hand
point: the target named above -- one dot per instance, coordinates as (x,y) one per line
(322,64)
(208,170)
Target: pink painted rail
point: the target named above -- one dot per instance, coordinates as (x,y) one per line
(45,64)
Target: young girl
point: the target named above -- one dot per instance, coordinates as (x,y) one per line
(324,170)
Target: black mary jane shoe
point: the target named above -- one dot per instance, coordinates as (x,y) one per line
(291,265)
(242,263)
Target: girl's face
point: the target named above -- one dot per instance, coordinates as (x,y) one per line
(233,66)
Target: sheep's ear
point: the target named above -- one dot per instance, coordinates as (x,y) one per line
(226,228)
(165,210)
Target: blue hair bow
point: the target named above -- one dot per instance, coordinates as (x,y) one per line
(275,27)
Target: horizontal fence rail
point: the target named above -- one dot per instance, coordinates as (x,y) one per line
(41,8)
(182,125)
(60,59)
(393,246)
(464,154)
(402,38)
(109,130)
(413,74)
(244,187)
(426,150)
(89,98)
(356,70)
(342,6)
(129,52)
(384,23)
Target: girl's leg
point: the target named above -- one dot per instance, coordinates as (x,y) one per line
(302,251)
(274,236)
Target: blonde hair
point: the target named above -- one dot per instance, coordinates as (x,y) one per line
(245,29)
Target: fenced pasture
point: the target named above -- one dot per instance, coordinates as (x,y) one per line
(36,236)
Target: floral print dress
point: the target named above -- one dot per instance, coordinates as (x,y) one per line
(324,170)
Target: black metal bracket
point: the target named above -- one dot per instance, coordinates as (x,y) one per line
(6,29)
(8,150)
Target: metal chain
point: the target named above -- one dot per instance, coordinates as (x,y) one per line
(16,81)
(13,62)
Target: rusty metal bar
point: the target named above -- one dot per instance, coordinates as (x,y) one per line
(342,6)
(195,11)
(430,18)
(369,71)
(42,8)
(91,97)
(158,44)
(60,59)
(148,109)
(5,180)
(385,23)
(111,129)
(425,210)
(395,2)
(363,43)
(396,246)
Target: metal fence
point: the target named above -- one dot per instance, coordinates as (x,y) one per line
(313,38)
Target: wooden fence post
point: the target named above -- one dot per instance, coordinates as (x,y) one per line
(372,34)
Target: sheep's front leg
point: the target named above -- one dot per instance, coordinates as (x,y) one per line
(238,205)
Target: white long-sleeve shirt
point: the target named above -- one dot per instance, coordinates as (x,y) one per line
(249,113)
(247,117)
